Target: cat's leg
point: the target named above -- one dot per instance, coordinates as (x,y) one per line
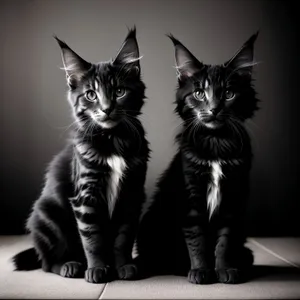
(127,217)
(93,225)
(233,259)
(201,271)
(50,261)
(226,271)
(51,230)
(123,245)
(195,226)
(125,236)
(73,263)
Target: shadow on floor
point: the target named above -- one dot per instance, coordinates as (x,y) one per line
(275,273)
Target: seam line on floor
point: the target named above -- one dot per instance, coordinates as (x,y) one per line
(100,296)
(258,244)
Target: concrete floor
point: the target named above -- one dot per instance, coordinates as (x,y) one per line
(276,276)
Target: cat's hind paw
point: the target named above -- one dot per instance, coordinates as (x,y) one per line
(72,269)
(201,276)
(127,272)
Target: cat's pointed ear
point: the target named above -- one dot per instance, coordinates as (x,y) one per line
(129,51)
(186,63)
(74,65)
(242,61)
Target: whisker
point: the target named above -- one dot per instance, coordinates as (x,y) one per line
(186,126)
(183,122)
(191,131)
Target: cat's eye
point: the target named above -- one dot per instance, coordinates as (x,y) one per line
(120,92)
(91,96)
(199,94)
(229,95)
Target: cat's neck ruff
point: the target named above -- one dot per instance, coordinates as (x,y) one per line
(209,162)
(220,162)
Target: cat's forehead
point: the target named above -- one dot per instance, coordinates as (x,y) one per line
(103,69)
(101,73)
(212,75)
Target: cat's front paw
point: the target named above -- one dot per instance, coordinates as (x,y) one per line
(98,274)
(230,275)
(201,276)
(127,272)
(72,269)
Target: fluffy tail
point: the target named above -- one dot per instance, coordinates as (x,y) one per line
(26,260)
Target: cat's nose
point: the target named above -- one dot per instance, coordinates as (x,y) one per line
(108,110)
(215,111)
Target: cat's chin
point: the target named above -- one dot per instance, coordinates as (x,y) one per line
(107,124)
(213,124)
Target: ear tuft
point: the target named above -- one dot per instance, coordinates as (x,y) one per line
(131,33)
(61,43)
(173,39)
(250,42)
(129,51)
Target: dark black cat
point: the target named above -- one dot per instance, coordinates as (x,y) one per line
(194,223)
(87,215)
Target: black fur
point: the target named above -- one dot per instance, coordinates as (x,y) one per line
(82,224)
(27,260)
(182,231)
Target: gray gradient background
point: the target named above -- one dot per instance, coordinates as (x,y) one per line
(35,114)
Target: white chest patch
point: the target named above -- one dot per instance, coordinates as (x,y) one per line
(118,167)
(213,190)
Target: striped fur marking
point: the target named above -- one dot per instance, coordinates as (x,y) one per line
(88,153)
(84,226)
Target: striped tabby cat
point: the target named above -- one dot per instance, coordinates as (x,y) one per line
(84,223)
